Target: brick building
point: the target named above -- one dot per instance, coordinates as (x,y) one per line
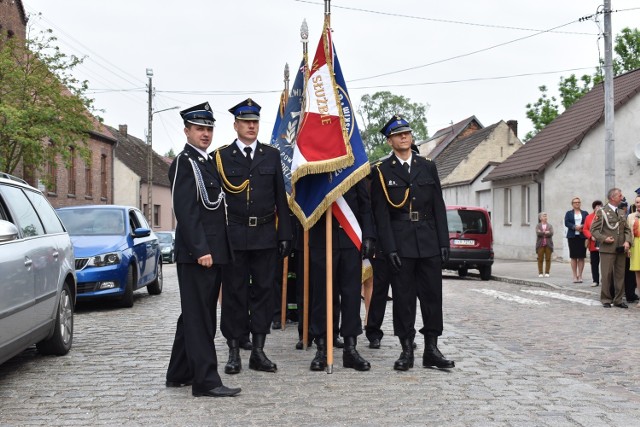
(13,19)
(79,183)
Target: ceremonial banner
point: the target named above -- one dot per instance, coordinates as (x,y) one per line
(284,136)
(314,193)
(322,143)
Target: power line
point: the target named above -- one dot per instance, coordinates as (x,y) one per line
(446,21)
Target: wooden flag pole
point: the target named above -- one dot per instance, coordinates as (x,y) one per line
(285,275)
(329,281)
(305,300)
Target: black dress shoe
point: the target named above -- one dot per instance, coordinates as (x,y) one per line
(621,305)
(177,383)
(374,343)
(276,324)
(606,305)
(221,391)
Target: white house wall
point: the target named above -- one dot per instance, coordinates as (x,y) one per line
(580,173)
(126,185)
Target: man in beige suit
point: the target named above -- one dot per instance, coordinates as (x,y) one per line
(611,230)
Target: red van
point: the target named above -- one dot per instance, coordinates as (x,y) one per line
(471,240)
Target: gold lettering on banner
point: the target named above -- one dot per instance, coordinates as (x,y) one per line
(321,100)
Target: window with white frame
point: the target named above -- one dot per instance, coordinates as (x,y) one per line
(526,205)
(507,206)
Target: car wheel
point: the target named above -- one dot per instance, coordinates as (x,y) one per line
(127,298)
(462,272)
(155,287)
(60,342)
(173,257)
(485,272)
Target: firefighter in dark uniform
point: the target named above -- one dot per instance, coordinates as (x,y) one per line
(260,233)
(347,279)
(202,247)
(411,223)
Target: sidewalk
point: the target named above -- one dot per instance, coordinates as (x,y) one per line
(560,277)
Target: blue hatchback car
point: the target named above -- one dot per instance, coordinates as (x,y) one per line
(116,252)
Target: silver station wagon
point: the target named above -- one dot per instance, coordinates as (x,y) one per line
(37,275)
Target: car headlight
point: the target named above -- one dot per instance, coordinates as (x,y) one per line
(166,250)
(102,260)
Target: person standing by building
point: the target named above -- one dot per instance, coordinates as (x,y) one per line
(633,220)
(574,221)
(594,250)
(202,247)
(411,221)
(611,230)
(544,244)
(260,233)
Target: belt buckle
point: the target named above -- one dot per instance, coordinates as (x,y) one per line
(414,216)
(253,221)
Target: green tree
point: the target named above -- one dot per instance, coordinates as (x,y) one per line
(170,154)
(376,110)
(542,112)
(627,49)
(43,109)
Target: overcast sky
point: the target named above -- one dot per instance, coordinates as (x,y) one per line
(460,57)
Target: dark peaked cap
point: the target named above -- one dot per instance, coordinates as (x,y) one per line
(246,110)
(200,114)
(396,125)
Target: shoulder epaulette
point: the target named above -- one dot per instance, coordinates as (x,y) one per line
(220,148)
(270,146)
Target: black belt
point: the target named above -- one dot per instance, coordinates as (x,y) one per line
(412,216)
(251,221)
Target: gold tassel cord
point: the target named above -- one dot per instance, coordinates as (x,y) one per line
(227,184)
(384,188)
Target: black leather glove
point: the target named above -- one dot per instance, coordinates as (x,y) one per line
(284,248)
(395,262)
(368,247)
(444,254)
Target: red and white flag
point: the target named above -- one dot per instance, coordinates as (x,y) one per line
(322,143)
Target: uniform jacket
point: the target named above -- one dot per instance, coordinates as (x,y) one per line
(540,236)
(199,231)
(610,222)
(357,197)
(267,197)
(411,239)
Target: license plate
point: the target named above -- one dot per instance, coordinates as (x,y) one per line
(464,242)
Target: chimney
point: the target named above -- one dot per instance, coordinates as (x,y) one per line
(123,130)
(513,125)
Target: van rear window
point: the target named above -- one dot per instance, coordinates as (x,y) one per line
(466,221)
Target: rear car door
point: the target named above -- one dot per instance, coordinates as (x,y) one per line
(23,262)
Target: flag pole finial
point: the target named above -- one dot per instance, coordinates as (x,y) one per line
(304,36)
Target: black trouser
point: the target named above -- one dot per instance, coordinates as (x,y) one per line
(378,303)
(238,302)
(193,356)
(347,282)
(418,278)
(299,257)
(595,266)
(629,282)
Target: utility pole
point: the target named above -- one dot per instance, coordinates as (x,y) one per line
(150,151)
(609,137)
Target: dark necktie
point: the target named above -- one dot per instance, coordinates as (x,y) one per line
(406,167)
(248,151)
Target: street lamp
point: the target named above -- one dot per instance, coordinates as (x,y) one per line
(150,148)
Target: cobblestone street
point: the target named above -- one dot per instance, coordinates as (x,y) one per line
(531,361)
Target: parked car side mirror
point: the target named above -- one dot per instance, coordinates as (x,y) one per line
(141,232)
(8,231)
